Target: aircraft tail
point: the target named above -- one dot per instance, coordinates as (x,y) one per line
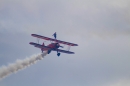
(41,48)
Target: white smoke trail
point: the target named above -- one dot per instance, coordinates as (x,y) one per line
(19,64)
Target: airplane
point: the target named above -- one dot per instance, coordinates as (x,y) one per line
(52,46)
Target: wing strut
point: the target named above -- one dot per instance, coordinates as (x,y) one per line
(69,48)
(38,40)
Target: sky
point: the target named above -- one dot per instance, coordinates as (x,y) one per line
(101,28)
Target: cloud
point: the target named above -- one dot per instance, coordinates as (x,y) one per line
(97,17)
(124,82)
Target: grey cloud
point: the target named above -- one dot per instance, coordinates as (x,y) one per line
(92,16)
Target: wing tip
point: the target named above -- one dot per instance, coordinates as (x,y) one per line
(31,43)
(71,53)
(33,34)
(76,45)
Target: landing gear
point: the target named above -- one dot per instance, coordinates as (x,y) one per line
(42,50)
(49,51)
(58,54)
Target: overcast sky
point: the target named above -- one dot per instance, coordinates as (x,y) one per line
(101,28)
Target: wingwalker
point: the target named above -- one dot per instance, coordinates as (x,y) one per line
(53,46)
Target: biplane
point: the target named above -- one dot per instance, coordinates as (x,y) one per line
(54,46)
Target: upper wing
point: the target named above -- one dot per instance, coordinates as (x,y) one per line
(59,41)
(64,51)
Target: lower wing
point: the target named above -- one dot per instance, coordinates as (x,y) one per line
(47,48)
(64,51)
(39,46)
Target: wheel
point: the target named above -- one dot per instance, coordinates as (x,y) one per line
(49,51)
(58,54)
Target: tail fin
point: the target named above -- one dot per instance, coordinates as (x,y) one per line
(41,48)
